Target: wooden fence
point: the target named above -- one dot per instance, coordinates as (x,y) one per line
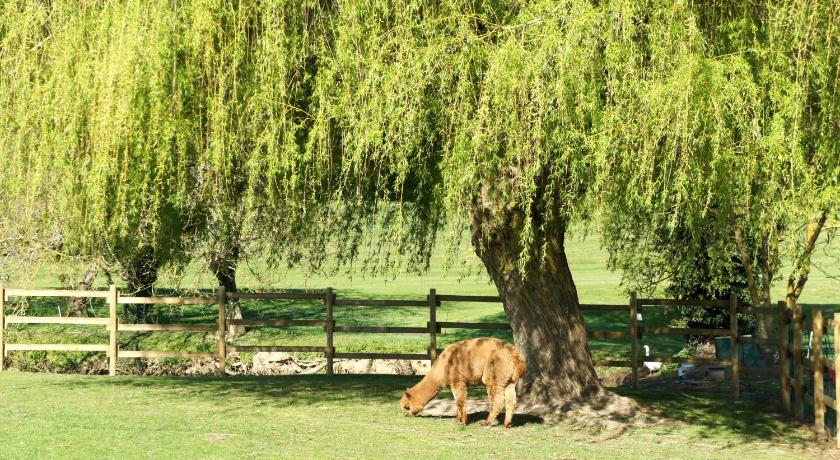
(794,365)
(330,300)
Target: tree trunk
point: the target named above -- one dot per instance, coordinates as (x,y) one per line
(759,292)
(543,311)
(81,306)
(548,329)
(223,264)
(140,272)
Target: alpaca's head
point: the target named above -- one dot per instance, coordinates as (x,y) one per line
(411,404)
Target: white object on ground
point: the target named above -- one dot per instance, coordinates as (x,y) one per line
(650,365)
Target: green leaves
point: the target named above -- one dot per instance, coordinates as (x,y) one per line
(362,126)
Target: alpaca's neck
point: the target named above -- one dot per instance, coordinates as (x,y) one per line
(425,390)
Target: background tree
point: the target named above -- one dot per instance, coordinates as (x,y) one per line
(96,133)
(753,166)
(252,70)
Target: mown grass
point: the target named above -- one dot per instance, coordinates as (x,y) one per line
(67,416)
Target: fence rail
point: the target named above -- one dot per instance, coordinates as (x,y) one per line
(55,320)
(274,295)
(135,327)
(56,347)
(165,354)
(282,322)
(286,348)
(603,307)
(683,303)
(330,302)
(685,331)
(462,325)
(53,293)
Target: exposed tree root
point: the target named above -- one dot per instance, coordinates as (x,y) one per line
(607,413)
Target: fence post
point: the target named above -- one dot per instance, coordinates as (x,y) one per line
(837,380)
(798,394)
(113,345)
(634,339)
(432,325)
(736,356)
(819,402)
(329,299)
(222,350)
(2,327)
(784,349)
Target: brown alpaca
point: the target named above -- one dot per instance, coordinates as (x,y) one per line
(490,361)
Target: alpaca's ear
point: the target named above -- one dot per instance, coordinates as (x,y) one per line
(408,391)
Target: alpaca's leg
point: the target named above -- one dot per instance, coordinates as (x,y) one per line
(459,390)
(491,396)
(510,403)
(497,402)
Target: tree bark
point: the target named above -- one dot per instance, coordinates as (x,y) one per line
(81,306)
(759,293)
(223,264)
(140,272)
(544,313)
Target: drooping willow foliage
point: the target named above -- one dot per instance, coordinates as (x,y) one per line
(97,138)
(744,135)
(144,119)
(316,125)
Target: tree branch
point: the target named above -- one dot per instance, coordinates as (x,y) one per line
(802,266)
(746,261)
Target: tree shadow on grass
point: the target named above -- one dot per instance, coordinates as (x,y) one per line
(720,416)
(518,419)
(303,390)
(443,407)
(481,416)
(297,390)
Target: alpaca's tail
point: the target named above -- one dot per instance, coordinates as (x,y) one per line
(518,364)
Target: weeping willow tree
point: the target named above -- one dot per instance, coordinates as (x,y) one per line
(493,113)
(352,133)
(752,131)
(525,118)
(98,135)
(249,65)
(130,127)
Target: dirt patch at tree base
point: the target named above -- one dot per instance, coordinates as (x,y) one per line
(606,415)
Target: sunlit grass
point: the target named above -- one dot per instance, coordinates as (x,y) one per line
(348,417)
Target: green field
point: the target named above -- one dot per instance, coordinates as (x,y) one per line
(595,285)
(64,416)
(463,275)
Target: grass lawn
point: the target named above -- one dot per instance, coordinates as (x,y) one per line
(67,416)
